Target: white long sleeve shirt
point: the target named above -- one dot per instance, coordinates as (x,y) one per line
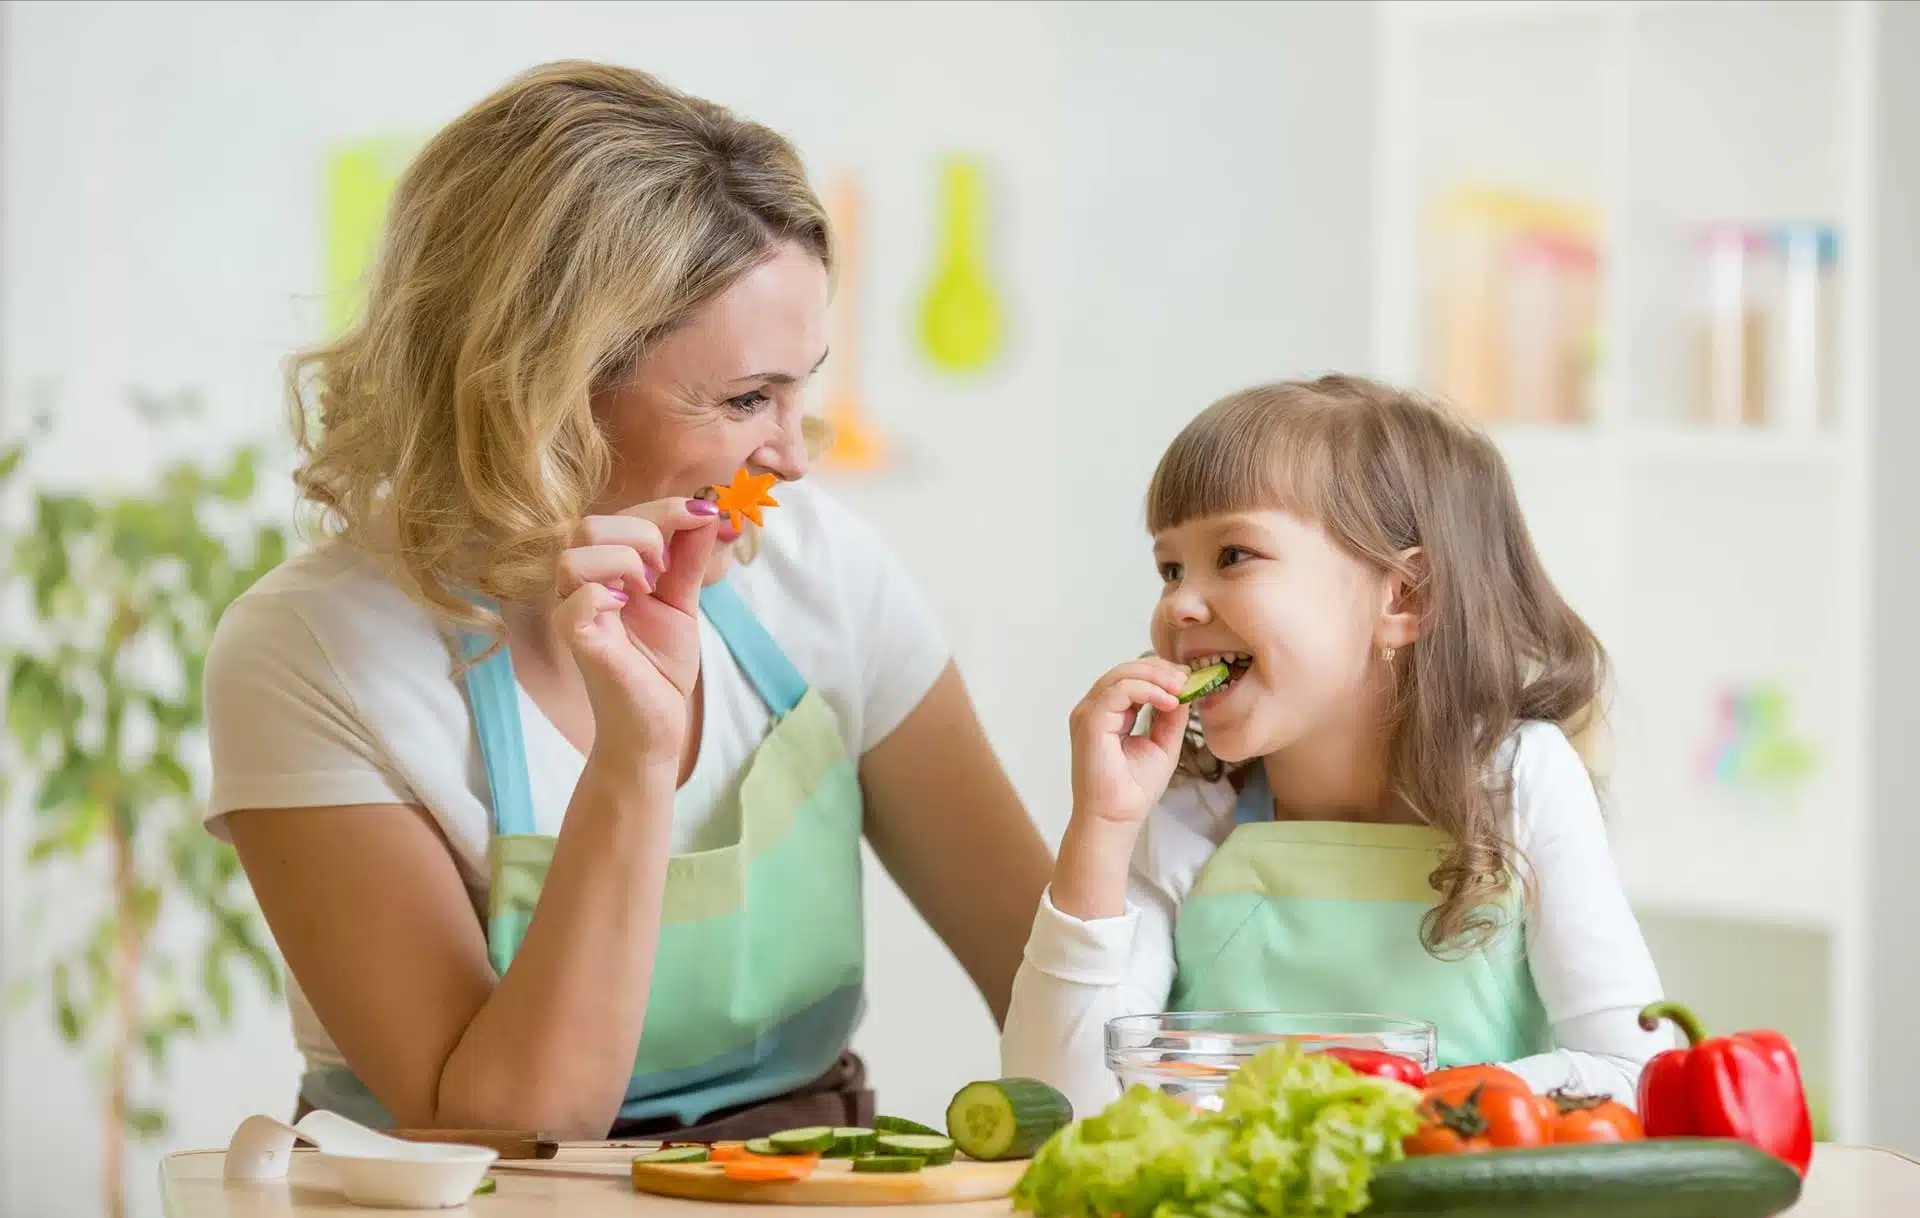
(1589,963)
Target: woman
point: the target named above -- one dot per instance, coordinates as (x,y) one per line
(535,677)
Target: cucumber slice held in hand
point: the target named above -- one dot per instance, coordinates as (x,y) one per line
(1007,1118)
(812,1140)
(935,1150)
(1203,681)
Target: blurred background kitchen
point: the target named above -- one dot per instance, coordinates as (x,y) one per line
(1665,251)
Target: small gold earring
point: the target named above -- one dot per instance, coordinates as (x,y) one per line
(1386,656)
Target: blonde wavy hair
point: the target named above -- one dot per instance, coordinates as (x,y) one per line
(1385,472)
(534,251)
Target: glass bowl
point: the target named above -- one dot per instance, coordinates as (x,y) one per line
(1189,1054)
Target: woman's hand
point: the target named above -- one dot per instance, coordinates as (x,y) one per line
(1118,776)
(629,589)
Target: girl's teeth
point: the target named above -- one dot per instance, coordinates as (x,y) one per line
(1219,657)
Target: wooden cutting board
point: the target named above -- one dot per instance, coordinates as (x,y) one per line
(834,1182)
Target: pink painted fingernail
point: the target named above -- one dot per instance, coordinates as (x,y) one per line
(700,507)
(618,595)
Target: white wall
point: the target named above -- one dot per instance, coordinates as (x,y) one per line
(1183,199)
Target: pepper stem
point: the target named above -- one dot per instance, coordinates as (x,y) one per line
(1689,1023)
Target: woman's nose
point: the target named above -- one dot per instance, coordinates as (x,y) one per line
(785,453)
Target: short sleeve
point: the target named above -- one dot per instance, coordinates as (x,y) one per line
(900,645)
(281,726)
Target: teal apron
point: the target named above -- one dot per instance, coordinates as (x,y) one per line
(758,978)
(1324,916)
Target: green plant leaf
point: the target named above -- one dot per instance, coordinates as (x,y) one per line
(67,1019)
(215,983)
(66,1014)
(237,486)
(169,774)
(10,459)
(67,783)
(143,907)
(45,847)
(146,1122)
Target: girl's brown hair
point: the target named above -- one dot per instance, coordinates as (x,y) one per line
(1385,472)
(534,250)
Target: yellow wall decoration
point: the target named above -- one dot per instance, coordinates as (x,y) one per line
(358,181)
(960,317)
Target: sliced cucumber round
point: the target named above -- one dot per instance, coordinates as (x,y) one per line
(849,1141)
(675,1154)
(888,1163)
(1203,681)
(762,1146)
(894,1124)
(812,1140)
(1007,1118)
(933,1148)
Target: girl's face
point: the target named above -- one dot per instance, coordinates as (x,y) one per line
(1298,615)
(722,391)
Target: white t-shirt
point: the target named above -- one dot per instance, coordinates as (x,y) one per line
(327,686)
(1589,962)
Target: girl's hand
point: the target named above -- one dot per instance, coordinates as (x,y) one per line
(1118,776)
(629,589)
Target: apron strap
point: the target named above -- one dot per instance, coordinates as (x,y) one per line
(779,683)
(1255,804)
(495,699)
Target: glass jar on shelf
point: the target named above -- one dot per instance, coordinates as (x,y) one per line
(1733,343)
(1801,398)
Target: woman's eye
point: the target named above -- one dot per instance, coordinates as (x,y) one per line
(749,402)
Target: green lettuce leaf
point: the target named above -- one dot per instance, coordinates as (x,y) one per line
(1298,1135)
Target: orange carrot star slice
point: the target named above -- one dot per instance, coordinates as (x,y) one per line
(746,495)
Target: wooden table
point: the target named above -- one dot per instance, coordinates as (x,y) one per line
(1846,1182)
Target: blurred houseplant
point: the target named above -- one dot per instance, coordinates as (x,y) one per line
(110,600)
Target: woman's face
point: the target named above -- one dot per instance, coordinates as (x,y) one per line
(722,391)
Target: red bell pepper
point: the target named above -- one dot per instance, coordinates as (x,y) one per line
(1744,1086)
(1381,1065)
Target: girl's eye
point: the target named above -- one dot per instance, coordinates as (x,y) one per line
(1230,555)
(748,402)
(1169,572)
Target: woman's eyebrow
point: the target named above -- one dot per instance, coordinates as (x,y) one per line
(782,378)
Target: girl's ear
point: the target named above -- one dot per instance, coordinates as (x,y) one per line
(1403,601)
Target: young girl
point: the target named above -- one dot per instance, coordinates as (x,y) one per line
(1380,811)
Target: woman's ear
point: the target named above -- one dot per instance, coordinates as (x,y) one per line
(1403,600)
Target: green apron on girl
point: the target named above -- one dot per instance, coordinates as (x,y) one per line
(1325,916)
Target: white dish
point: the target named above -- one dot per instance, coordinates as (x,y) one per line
(371,1168)
(440,1182)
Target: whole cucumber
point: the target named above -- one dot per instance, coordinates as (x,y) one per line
(1656,1178)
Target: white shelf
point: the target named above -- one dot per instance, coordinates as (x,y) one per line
(1726,446)
(1639,443)
(1707,558)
